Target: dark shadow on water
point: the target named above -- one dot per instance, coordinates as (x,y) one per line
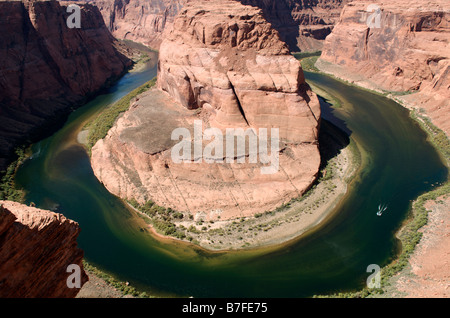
(333,134)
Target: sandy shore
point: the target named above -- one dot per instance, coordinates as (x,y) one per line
(428,273)
(98,288)
(280,226)
(284,224)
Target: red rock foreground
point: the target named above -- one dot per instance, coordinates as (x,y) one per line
(223,64)
(36,247)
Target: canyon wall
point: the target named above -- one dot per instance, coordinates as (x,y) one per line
(47,69)
(141,21)
(223,65)
(303,24)
(36,248)
(402,49)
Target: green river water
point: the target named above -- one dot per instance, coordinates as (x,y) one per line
(399,164)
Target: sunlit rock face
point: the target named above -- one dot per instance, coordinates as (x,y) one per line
(223,65)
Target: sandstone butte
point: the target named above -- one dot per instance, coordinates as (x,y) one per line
(224,64)
(409,52)
(47,69)
(36,247)
(303,24)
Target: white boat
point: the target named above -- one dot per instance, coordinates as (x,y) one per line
(381,209)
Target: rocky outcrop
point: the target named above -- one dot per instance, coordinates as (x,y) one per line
(303,24)
(47,69)
(222,64)
(141,21)
(36,248)
(402,48)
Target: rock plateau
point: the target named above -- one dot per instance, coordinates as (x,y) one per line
(223,64)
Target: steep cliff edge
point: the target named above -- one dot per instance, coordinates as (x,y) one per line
(403,49)
(36,248)
(303,24)
(223,65)
(141,21)
(47,69)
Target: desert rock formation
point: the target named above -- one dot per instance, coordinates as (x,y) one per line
(303,24)
(47,69)
(141,21)
(36,248)
(403,48)
(224,65)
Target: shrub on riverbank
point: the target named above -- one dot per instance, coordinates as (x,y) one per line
(99,127)
(8,189)
(123,287)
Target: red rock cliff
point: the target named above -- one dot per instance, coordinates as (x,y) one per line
(224,65)
(403,48)
(46,69)
(303,24)
(36,247)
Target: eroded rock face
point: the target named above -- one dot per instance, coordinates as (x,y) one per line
(225,66)
(303,24)
(46,68)
(404,48)
(141,21)
(36,247)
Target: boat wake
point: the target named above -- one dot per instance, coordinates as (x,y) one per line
(381,209)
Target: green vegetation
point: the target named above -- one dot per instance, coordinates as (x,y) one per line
(8,189)
(308,64)
(124,288)
(303,55)
(308,59)
(162,219)
(99,127)
(436,136)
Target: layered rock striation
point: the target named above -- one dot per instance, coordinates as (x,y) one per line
(399,47)
(36,248)
(303,24)
(141,21)
(221,66)
(47,68)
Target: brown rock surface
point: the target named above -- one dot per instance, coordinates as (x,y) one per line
(47,69)
(303,24)
(36,247)
(141,21)
(408,52)
(224,63)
